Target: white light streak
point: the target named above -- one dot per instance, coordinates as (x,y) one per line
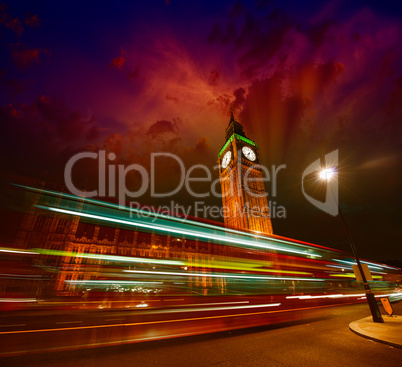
(326,296)
(15,251)
(171,229)
(219,308)
(170,218)
(12,300)
(218,275)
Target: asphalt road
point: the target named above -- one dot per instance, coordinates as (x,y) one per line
(321,341)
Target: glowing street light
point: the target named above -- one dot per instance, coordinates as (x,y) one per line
(326,174)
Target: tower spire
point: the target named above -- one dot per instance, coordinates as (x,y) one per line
(234,126)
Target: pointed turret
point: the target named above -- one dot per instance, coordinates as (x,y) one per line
(234,126)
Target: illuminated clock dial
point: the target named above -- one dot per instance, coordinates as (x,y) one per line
(249,153)
(226,159)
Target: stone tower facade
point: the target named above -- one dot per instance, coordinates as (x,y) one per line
(245,204)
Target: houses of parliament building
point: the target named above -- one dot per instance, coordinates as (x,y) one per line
(73,250)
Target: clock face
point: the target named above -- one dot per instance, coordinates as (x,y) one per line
(249,153)
(226,159)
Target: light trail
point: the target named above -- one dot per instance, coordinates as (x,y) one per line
(229,265)
(325,296)
(110,282)
(352,275)
(126,209)
(369,264)
(170,229)
(167,321)
(393,295)
(220,308)
(350,268)
(108,257)
(11,300)
(213,304)
(16,251)
(219,275)
(22,276)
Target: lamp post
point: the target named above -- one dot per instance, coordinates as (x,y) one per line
(326,174)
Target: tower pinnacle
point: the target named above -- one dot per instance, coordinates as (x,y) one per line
(234,126)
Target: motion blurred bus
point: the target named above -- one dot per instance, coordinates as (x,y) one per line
(74,252)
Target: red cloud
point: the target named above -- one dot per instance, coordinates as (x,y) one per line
(15,25)
(32,20)
(9,22)
(118,62)
(24,57)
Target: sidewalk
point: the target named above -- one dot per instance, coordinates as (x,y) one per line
(389,332)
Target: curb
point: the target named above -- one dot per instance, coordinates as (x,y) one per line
(353,326)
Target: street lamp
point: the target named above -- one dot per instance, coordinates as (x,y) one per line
(326,174)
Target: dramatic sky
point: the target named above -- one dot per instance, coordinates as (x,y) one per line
(136,77)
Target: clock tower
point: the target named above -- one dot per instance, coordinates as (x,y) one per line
(245,204)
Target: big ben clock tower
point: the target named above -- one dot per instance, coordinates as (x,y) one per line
(245,204)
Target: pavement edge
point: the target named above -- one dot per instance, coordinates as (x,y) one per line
(354,327)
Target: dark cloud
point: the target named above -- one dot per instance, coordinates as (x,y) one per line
(173,99)
(14,23)
(220,35)
(67,125)
(32,20)
(113,143)
(15,87)
(10,22)
(134,74)
(214,77)
(25,57)
(256,39)
(240,99)
(162,127)
(237,10)
(38,140)
(225,101)
(259,40)
(263,3)
(216,34)
(31,132)
(202,146)
(317,33)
